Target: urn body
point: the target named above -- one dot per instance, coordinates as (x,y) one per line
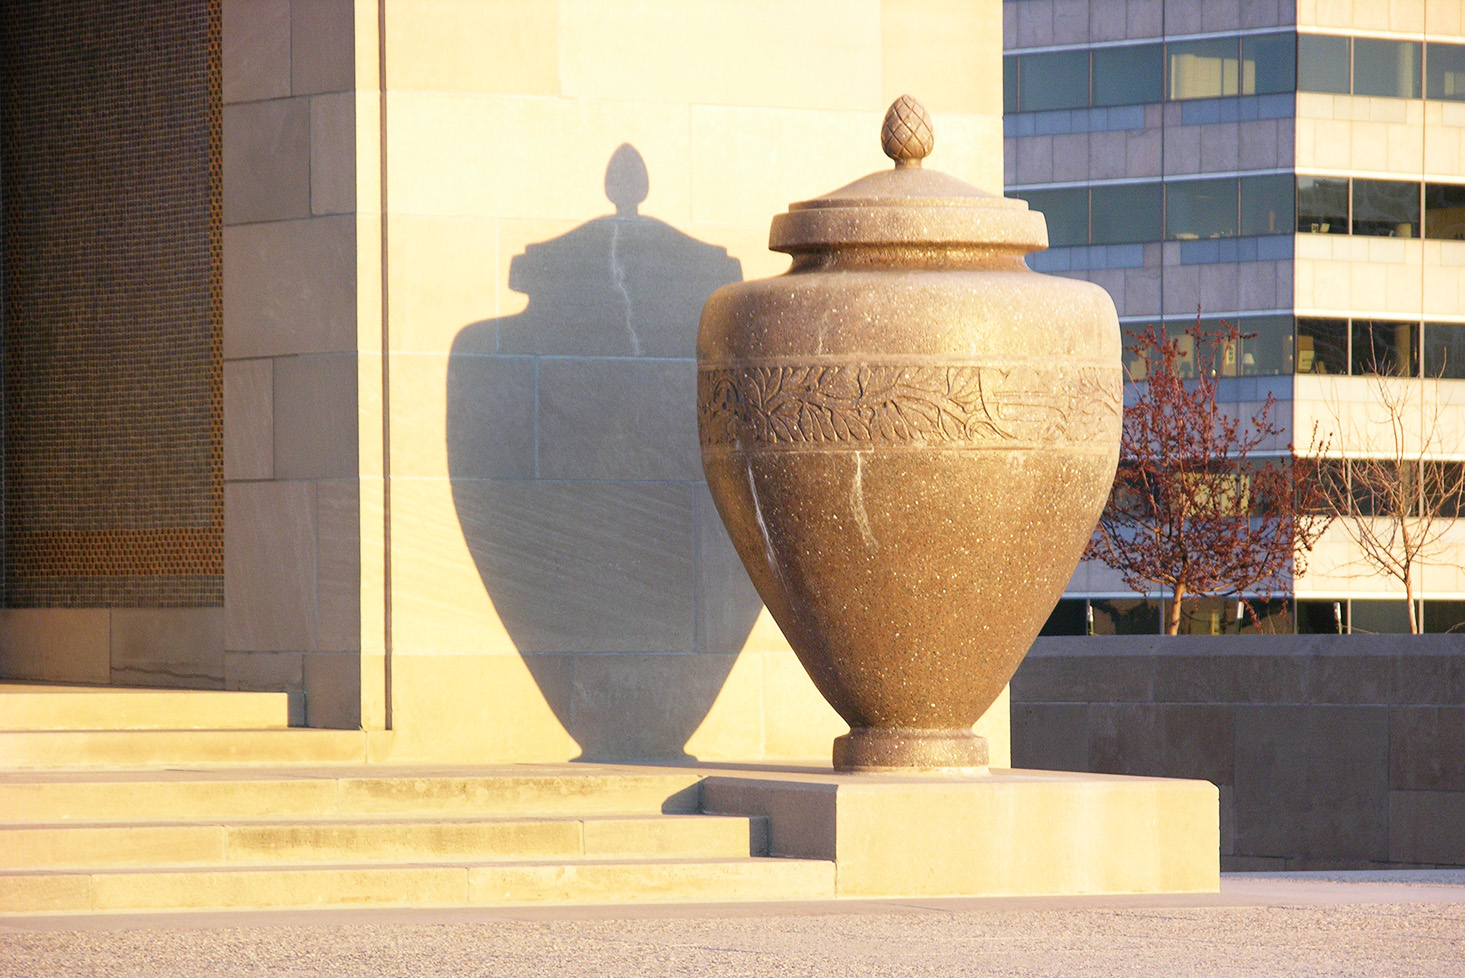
(909,436)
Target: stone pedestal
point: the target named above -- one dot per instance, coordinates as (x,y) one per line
(1013,833)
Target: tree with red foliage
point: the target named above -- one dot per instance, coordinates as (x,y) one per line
(1192,512)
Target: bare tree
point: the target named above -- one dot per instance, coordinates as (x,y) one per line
(1392,495)
(1193,511)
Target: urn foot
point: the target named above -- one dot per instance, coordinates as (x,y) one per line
(896,749)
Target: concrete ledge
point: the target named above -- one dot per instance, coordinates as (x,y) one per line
(1012,833)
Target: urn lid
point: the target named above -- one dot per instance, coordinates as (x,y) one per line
(908,205)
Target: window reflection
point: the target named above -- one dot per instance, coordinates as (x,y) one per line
(1216,67)
(1387,68)
(1444,211)
(1266,618)
(1268,63)
(1127,213)
(1059,80)
(1444,351)
(1370,484)
(1254,206)
(1322,63)
(1125,616)
(1322,205)
(1382,617)
(1207,68)
(1386,208)
(1324,617)
(1442,484)
(1381,347)
(1066,211)
(1444,616)
(1445,64)
(1207,616)
(1069,617)
(1266,204)
(1129,75)
(1322,346)
(1200,209)
(1266,345)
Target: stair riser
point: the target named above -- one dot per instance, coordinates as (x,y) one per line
(161,800)
(425,887)
(142,710)
(96,847)
(32,750)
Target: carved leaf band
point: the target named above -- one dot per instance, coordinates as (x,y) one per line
(949,406)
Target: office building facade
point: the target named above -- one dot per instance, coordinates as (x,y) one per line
(1296,169)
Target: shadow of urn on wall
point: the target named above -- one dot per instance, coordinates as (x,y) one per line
(909,436)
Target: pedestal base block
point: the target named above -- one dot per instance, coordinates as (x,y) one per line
(1008,833)
(911,751)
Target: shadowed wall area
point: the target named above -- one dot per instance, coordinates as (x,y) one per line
(573,456)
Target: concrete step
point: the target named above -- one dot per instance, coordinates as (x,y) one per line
(467,884)
(95,749)
(263,842)
(35,707)
(343,792)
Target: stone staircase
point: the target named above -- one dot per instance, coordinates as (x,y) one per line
(157,818)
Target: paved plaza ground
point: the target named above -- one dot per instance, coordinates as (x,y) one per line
(1356,924)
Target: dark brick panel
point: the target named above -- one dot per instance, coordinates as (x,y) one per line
(109,157)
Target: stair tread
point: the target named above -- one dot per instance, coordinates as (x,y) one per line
(330,820)
(607,861)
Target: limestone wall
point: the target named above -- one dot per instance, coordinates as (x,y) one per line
(563,184)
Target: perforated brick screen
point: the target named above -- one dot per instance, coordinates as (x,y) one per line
(113,421)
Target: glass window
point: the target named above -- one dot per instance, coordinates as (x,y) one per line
(1266,204)
(1200,209)
(1266,345)
(1444,616)
(1379,617)
(1444,351)
(1206,616)
(1445,64)
(1384,348)
(1069,617)
(1386,208)
(1373,485)
(1125,616)
(1059,80)
(1388,68)
(1331,474)
(1066,211)
(1266,618)
(1325,617)
(1130,75)
(1322,63)
(1009,83)
(1268,63)
(1322,205)
(1443,487)
(1322,346)
(1208,68)
(1444,211)
(1127,213)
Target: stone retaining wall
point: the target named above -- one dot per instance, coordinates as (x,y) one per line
(1329,751)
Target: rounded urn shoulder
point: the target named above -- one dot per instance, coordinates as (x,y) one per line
(1009,313)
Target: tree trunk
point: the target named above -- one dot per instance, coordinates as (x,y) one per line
(1172,627)
(1414,623)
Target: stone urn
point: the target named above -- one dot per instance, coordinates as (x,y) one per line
(909,436)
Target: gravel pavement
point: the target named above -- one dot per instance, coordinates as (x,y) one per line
(1356,924)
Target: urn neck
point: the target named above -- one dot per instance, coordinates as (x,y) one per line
(899,258)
